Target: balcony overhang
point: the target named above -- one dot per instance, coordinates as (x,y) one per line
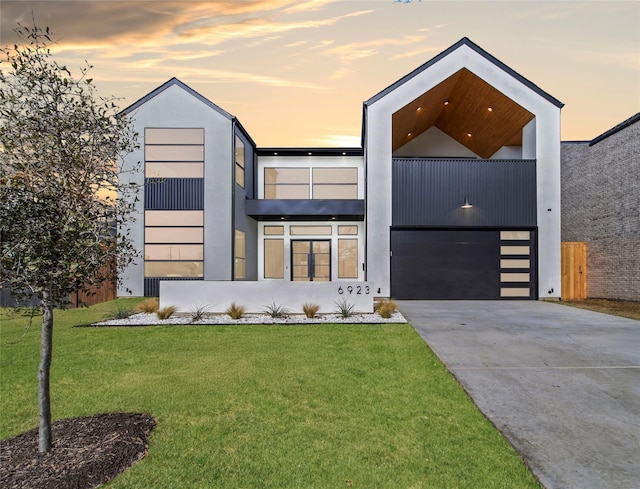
(305,210)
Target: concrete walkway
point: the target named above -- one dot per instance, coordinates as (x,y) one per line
(562,384)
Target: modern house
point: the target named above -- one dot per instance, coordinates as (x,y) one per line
(601,207)
(454,194)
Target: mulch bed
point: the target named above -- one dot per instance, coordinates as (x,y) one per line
(87,452)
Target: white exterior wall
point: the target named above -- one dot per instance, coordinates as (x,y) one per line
(175,107)
(256,296)
(378,153)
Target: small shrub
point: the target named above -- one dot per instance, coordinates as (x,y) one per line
(235,311)
(197,313)
(166,312)
(310,310)
(149,305)
(122,311)
(344,309)
(386,308)
(277,311)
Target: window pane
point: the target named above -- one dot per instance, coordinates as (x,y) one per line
(335,175)
(514,235)
(348,230)
(335,191)
(174,170)
(274,230)
(514,292)
(514,250)
(174,153)
(240,175)
(514,264)
(286,192)
(239,269)
(310,230)
(514,277)
(239,152)
(273,258)
(286,175)
(347,258)
(240,244)
(173,218)
(173,235)
(173,252)
(173,269)
(173,136)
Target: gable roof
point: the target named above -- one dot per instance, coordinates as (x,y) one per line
(465,42)
(617,128)
(170,83)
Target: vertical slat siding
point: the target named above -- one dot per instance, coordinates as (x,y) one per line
(429,192)
(174,193)
(574,270)
(152,284)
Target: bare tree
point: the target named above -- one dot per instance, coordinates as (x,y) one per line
(60,152)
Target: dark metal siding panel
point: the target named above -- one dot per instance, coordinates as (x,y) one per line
(429,192)
(152,284)
(174,193)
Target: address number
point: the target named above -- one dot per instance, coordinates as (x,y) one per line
(357,290)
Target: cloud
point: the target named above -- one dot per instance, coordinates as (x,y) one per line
(340,141)
(416,52)
(348,53)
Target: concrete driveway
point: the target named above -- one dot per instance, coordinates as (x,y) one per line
(562,384)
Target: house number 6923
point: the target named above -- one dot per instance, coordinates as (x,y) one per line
(358,290)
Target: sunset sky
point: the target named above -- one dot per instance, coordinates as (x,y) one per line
(296,72)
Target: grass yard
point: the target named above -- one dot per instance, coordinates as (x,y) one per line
(322,406)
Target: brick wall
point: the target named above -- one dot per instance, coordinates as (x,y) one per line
(601,206)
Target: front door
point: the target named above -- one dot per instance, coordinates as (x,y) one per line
(311,260)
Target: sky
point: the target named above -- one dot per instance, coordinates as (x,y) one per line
(295,73)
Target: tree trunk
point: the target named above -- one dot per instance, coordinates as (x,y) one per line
(44,395)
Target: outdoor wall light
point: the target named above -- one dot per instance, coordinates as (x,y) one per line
(467,204)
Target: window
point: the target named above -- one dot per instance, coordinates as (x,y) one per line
(347,258)
(239,162)
(310,230)
(173,243)
(286,183)
(239,256)
(174,153)
(310,183)
(274,230)
(274,258)
(335,183)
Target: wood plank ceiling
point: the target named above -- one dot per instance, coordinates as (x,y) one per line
(466,108)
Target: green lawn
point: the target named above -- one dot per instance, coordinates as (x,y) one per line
(265,406)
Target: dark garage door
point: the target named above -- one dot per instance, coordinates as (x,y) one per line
(462,264)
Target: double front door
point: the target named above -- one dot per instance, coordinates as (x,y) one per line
(311,260)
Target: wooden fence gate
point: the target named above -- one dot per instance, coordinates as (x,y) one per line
(574,270)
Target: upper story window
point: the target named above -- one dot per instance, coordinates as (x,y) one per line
(311,183)
(239,162)
(174,152)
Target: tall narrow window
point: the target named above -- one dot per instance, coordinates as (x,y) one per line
(239,162)
(240,257)
(347,258)
(273,258)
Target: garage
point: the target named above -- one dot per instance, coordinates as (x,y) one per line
(463,264)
